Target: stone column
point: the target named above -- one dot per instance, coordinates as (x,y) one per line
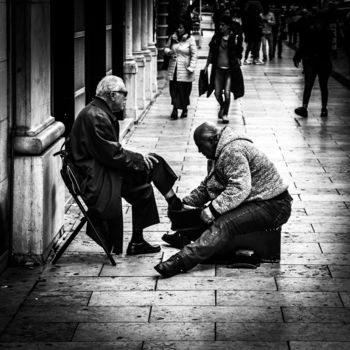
(38,198)
(146,52)
(152,47)
(138,54)
(130,65)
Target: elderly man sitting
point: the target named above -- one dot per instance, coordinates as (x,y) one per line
(109,172)
(242,193)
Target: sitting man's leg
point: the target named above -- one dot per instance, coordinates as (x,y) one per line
(218,238)
(137,190)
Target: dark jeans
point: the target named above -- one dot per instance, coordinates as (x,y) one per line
(321,67)
(223,84)
(253,46)
(248,217)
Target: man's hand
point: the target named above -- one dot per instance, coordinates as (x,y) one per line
(207,216)
(149,159)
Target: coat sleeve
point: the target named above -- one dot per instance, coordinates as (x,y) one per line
(167,47)
(105,148)
(193,55)
(235,169)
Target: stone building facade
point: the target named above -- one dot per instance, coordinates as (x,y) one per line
(52,54)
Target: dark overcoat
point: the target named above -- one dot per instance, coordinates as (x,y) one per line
(235,49)
(94,147)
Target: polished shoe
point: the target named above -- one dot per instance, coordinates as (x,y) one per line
(324,112)
(174,114)
(302,111)
(176,240)
(142,248)
(173,266)
(184,114)
(175,203)
(225,119)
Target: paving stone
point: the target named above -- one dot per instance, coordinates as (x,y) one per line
(339,271)
(276,270)
(335,248)
(120,345)
(216,314)
(30,332)
(345,297)
(215,345)
(139,298)
(281,298)
(55,299)
(132,266)
(283,331)
(83,284)
(318,259)
(181,282)
(69,314)
(308,345)
(316,314)
(313,284)
(140,331)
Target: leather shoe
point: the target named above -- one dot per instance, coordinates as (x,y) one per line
(176,240)
(173,266)
(142,248)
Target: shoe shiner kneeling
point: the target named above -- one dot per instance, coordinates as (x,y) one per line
(242,193)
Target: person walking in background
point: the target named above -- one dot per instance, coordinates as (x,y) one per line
(269,22)
(315,53)
(279,32)
(225,53)
(182,51)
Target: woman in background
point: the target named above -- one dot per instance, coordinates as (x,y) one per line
(182,50)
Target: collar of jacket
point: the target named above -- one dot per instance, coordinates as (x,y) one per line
(100,103)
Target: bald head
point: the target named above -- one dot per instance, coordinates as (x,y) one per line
(206,137)
(205,131)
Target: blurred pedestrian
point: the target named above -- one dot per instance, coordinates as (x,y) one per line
(182,51)
(225,53)
(269,22)
(252,29)
(314,51)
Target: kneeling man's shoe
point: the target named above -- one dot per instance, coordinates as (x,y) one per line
(173,266)
(142,248)
(176,240)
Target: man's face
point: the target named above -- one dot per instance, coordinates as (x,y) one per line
(207,147)
(118,98)
(223,27)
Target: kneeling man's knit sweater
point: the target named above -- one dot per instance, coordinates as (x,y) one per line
(239,173)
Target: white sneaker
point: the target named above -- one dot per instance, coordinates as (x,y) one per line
(245,62)
(258,62)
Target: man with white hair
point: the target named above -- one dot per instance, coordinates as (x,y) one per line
(242,193)
(109,172)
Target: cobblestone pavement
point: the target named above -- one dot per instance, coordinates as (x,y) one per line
(302,303)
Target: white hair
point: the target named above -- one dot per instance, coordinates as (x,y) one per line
(108,84)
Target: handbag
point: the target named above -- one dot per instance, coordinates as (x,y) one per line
(203,82)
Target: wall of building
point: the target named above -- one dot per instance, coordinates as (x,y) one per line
(4,138)
(60,50)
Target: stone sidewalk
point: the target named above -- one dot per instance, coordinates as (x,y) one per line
(302,303)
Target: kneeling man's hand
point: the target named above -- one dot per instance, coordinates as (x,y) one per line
(207,216)
(149,159)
